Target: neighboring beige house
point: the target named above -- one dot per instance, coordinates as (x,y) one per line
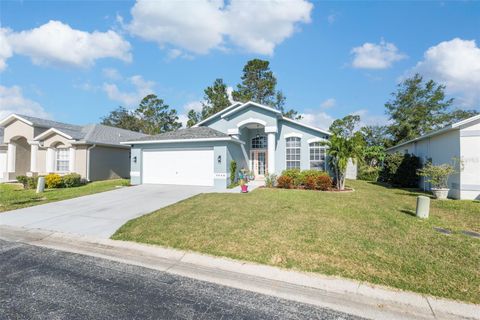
(460,140)
(33,146)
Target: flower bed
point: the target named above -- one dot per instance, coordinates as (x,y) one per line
(307,179)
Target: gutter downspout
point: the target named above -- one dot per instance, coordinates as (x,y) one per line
(88,160)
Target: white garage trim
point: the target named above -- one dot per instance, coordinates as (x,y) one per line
(183,140)
(178,166)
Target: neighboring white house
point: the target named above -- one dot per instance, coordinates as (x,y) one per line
(460,140)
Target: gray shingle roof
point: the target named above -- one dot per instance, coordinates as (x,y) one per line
(92,133)
(186,133)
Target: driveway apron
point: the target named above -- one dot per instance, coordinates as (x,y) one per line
(100,214)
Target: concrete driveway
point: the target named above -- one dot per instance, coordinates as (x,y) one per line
(100,214)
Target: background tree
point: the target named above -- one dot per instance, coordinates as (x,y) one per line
(375,135)
(259,85)
(418,107)
(151,117)
(122,118)
(193,118)
(155,116)
(345,144)
(215,98)
(345,127)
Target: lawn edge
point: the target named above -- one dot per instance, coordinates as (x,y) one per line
(356,297)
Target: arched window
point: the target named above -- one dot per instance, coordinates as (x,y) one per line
(293,152)
(259,142)
(317,156)
(62,159)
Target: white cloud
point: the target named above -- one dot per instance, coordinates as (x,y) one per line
(199,26)
(455,63)
(141,87)
(56,43)
(367,119)
(320,120)
(183,119)
(5,48)
(331,18)
(13,101)
(376,56)
(328,103)
(195,105)
(111,73)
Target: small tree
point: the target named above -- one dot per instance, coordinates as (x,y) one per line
(438,175)
(340,150)
(233,171)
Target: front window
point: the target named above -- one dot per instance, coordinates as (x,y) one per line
(259,142)
(317,156)
(62,157)
(293,153)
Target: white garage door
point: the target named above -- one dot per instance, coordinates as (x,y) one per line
(184,167)
(3,165)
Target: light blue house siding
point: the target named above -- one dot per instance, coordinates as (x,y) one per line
(220,148)
(271,119)
(285,128)
(231,139)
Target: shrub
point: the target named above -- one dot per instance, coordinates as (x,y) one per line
(401,170)
(294,175)
(233,171)
(270,180)
(310,183)
(23,180)
(306,174)
(53,180)
(368,173)
(324,182)
(285,182)
(437,175)
(27,182)
(72,180)
(32,182)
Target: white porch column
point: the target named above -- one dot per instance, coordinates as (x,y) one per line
(50,161)
(71,160)
(271,139)
(33,157)
(11,154)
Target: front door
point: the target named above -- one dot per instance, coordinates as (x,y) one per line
(259,163)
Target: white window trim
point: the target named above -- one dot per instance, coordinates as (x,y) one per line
(286,161)
(56,160)
(320,147)
(315,140)
(294,135)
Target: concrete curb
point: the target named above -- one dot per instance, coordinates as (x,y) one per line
(354,297)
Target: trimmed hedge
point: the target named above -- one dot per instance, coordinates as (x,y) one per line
(401,170)
(307,179)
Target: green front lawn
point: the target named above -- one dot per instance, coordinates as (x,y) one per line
(12,196)
(370,235)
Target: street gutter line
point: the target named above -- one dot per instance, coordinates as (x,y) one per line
(350,296)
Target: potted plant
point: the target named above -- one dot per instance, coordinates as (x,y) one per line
(243,186)
(251,176)
(438,176)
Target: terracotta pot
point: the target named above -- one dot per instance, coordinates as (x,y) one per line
(244,188)
(440,193)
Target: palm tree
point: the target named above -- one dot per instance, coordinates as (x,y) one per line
(340,150)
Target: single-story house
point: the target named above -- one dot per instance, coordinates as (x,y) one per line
(459,141)
(33,146)
(259,138)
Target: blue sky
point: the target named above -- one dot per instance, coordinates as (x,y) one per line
(76,61)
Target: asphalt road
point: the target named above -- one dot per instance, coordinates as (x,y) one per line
(40,283)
